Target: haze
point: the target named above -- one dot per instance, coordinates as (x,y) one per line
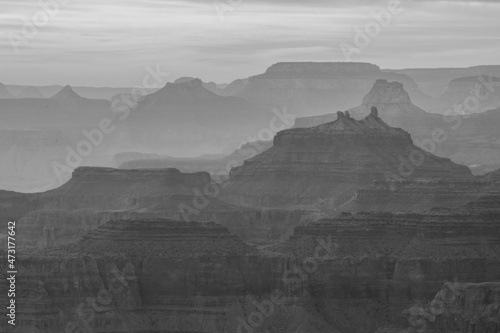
(96,43)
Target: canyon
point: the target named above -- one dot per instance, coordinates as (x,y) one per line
(344,223)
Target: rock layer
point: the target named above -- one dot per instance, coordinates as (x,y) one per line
(329,162)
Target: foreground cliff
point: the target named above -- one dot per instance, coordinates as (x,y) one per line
(155,276)
(367,272)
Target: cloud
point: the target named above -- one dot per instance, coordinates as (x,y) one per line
(121,37)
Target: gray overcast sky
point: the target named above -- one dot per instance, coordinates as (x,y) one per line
(110,42)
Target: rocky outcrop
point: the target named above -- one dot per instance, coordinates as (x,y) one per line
(395,108)
(466,139)
(329,162)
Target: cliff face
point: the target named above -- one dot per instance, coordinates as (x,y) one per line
(152,276)
(416,195)
(388,263)
(352,273)
(329,162)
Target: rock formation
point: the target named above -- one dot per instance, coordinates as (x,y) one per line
(94,196)
(466,139)
(186,119)
(392,266)
(309,88)
(154,275)
(395,108)
(365,272)
(329,162)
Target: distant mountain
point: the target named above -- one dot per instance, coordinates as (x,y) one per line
(30,92)
(314,88)
(394,106)
(36,132)
(476,141)
(472,140)
(27,155)
(212,86)
(65,110)
(66,94)
(329,162)
(481,92)
(216,165)
(434,81)
(4,93)
(185,119)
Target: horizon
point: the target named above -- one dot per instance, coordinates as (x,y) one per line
(172,79)
(95,44)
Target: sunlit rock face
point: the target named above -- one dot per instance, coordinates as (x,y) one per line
(330,161)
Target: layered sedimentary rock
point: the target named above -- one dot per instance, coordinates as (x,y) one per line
(415,195)
(384,264)
(327,163)
(307,88)
(466,139)
(155,276)
(352,273)
(96,195)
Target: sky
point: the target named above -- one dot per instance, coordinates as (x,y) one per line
(113,42)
